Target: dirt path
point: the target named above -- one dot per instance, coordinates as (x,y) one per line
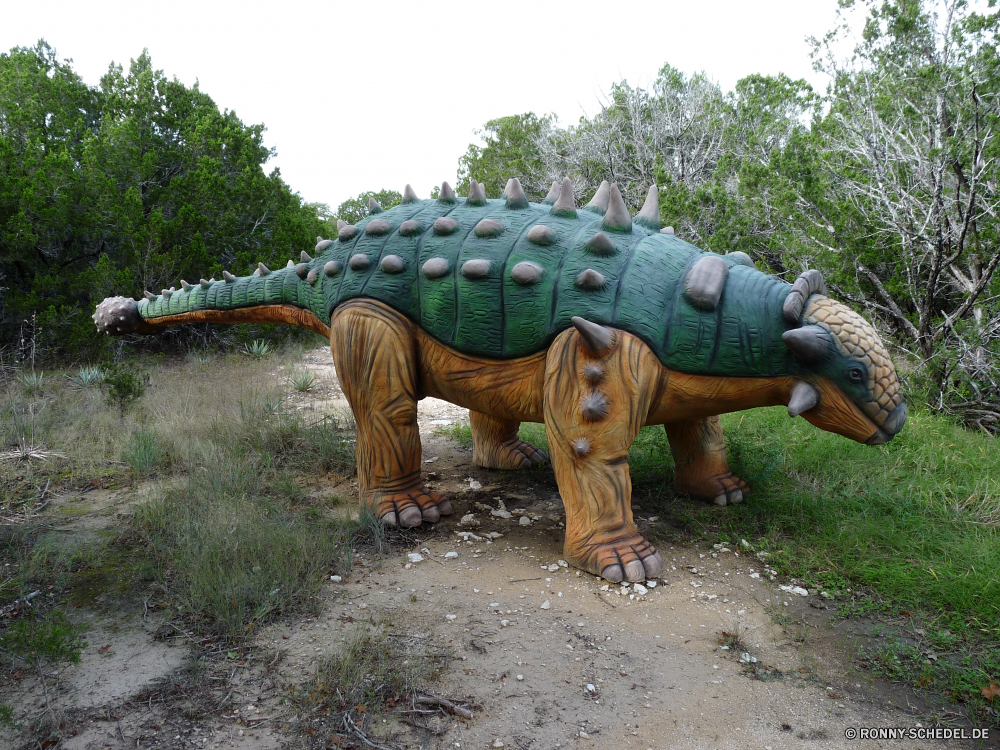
(712,655)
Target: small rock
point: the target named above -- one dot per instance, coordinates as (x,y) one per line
(504,623)
(497,743)
(451,617)
(640,589)
(605,587)
(502,514)
(562,563)
(431,460)
(525,521)
(755,575)
(651,584)
(469,519)
(450,555)
(797,590)
(591,688)
(520,677)
(494,605)
(552,568)
(414,557)
(473,484)
(362,606)
(336,579)
(546,604)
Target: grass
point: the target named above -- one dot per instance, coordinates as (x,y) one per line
(374,671)
(303,380)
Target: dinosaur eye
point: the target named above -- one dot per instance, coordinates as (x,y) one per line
(856,375)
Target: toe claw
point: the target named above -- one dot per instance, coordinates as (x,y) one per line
(431,515)
(736,496)
(444,508)
(410,517)
(653,565)
(613,573)
(634,571)
(389,519)
(720,500)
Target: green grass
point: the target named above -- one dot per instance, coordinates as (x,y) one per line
(914,525)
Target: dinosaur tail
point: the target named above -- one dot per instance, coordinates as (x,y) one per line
(292,295)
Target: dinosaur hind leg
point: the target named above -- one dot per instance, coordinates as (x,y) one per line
(594,406)
(496,445)
(702,470)
(375,356)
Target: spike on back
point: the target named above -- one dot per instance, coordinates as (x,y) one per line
(599,203)
(408,195)
(373,206)
(649,214)
(565,205)
(516,198)
(340,225)
(616,218)
(506,188)
(447,195)
(477,194)
(553,195)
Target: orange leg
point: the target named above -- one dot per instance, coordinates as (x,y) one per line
(495,444)
(702,470)
(594,405)
(375,355)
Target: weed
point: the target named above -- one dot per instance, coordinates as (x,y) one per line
(126,385)
(141,453)
(32,382)
(44,639)
(460,432)
(258,348)
(303,380)
(87,377)
(6,715)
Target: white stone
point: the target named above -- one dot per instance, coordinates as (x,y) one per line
(520,677)
(797,590)
(546,604)
(415,557)
(755,575)
(494,605)
(451,617)
(336,579)
(504,623)
(525,521)
(501,514)
(497,743)
(450,555)
(552,568)
(640,589)
(651,584)
(469,519)
(591,688)
(562,563)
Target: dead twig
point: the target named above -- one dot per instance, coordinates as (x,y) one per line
(519,580)
(352,728)
(598,595)
(447,705)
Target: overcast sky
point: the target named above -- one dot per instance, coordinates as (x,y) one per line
(369,95)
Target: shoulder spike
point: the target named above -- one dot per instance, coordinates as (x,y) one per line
(804,397)
(477,194)
(667,230)
(649,214)
(552,195)
(166,293)
(565,205)
(302,270)
(185,285)
(304,257)
(319,238)
(290,264)
(506,189)
(705,282)
(596,338)
(205,284)
(408,195)
(340,225)
(447,195)
(264,270)
(616,218)
(515,195)
(373,206)
(228,277)
(148,295)
(599,203)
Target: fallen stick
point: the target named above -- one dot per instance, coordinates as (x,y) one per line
(447,705)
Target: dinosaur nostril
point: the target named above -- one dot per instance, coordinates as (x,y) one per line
(895,421)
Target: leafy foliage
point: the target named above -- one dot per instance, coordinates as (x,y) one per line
(126,186)
(354,210)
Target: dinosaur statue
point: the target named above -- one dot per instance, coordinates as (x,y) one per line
(586,319)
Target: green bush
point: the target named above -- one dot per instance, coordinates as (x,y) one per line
(126,385)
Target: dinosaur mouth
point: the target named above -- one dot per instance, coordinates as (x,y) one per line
(835,412)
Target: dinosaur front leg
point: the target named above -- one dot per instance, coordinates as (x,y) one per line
(702,470)
(375,356)
(495,444)
(596,399)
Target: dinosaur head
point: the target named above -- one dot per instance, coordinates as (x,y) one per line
(847,383)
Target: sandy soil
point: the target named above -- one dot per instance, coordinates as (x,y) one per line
(549,657)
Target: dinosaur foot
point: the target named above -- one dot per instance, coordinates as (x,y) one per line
(722,489)
(631,558)
(411,508)
(513,454)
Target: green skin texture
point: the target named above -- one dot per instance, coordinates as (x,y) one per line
(496,317)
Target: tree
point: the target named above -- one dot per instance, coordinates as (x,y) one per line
(354,210)
(513,147)
(127,186)
(910,154)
